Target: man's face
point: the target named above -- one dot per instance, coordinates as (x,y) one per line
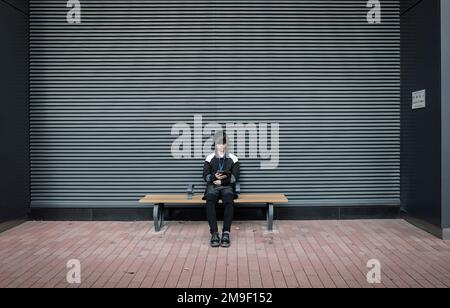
(221,147)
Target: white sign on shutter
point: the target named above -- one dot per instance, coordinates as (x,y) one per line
(419,99)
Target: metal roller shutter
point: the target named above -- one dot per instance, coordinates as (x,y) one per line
(106,93)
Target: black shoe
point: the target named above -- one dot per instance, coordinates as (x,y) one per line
(225,242)
(215,240)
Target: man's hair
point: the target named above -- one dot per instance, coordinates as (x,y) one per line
(220,138)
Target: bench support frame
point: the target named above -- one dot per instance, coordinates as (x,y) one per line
(158,216)
(270,217)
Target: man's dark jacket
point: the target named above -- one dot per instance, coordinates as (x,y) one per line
(230,164)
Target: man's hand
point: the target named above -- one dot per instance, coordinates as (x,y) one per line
(220,176)
(218,182)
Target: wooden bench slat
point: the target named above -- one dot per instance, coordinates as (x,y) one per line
(159,201)
(197,199)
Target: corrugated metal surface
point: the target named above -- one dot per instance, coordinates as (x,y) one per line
(106,93)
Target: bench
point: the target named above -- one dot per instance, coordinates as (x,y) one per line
(188,199)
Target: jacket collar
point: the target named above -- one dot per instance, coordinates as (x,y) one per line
(226,155)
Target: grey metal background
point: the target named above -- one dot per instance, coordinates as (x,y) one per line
(105,94)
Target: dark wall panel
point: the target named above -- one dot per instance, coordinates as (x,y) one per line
(408,4)
(421,131)
(14,161)
(445,106)
(22,5)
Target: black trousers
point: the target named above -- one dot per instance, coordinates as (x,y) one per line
(212,195)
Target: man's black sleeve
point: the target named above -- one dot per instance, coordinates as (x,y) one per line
(207,175)
(235,174)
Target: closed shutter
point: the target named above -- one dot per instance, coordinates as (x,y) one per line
(106,93)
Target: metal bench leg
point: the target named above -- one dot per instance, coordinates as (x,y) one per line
(270,217)
(161,220)
(158,216)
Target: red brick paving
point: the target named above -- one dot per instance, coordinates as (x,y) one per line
(298,254)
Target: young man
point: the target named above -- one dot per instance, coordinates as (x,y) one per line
(221,171)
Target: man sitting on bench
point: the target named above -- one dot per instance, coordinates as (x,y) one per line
(221,171)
